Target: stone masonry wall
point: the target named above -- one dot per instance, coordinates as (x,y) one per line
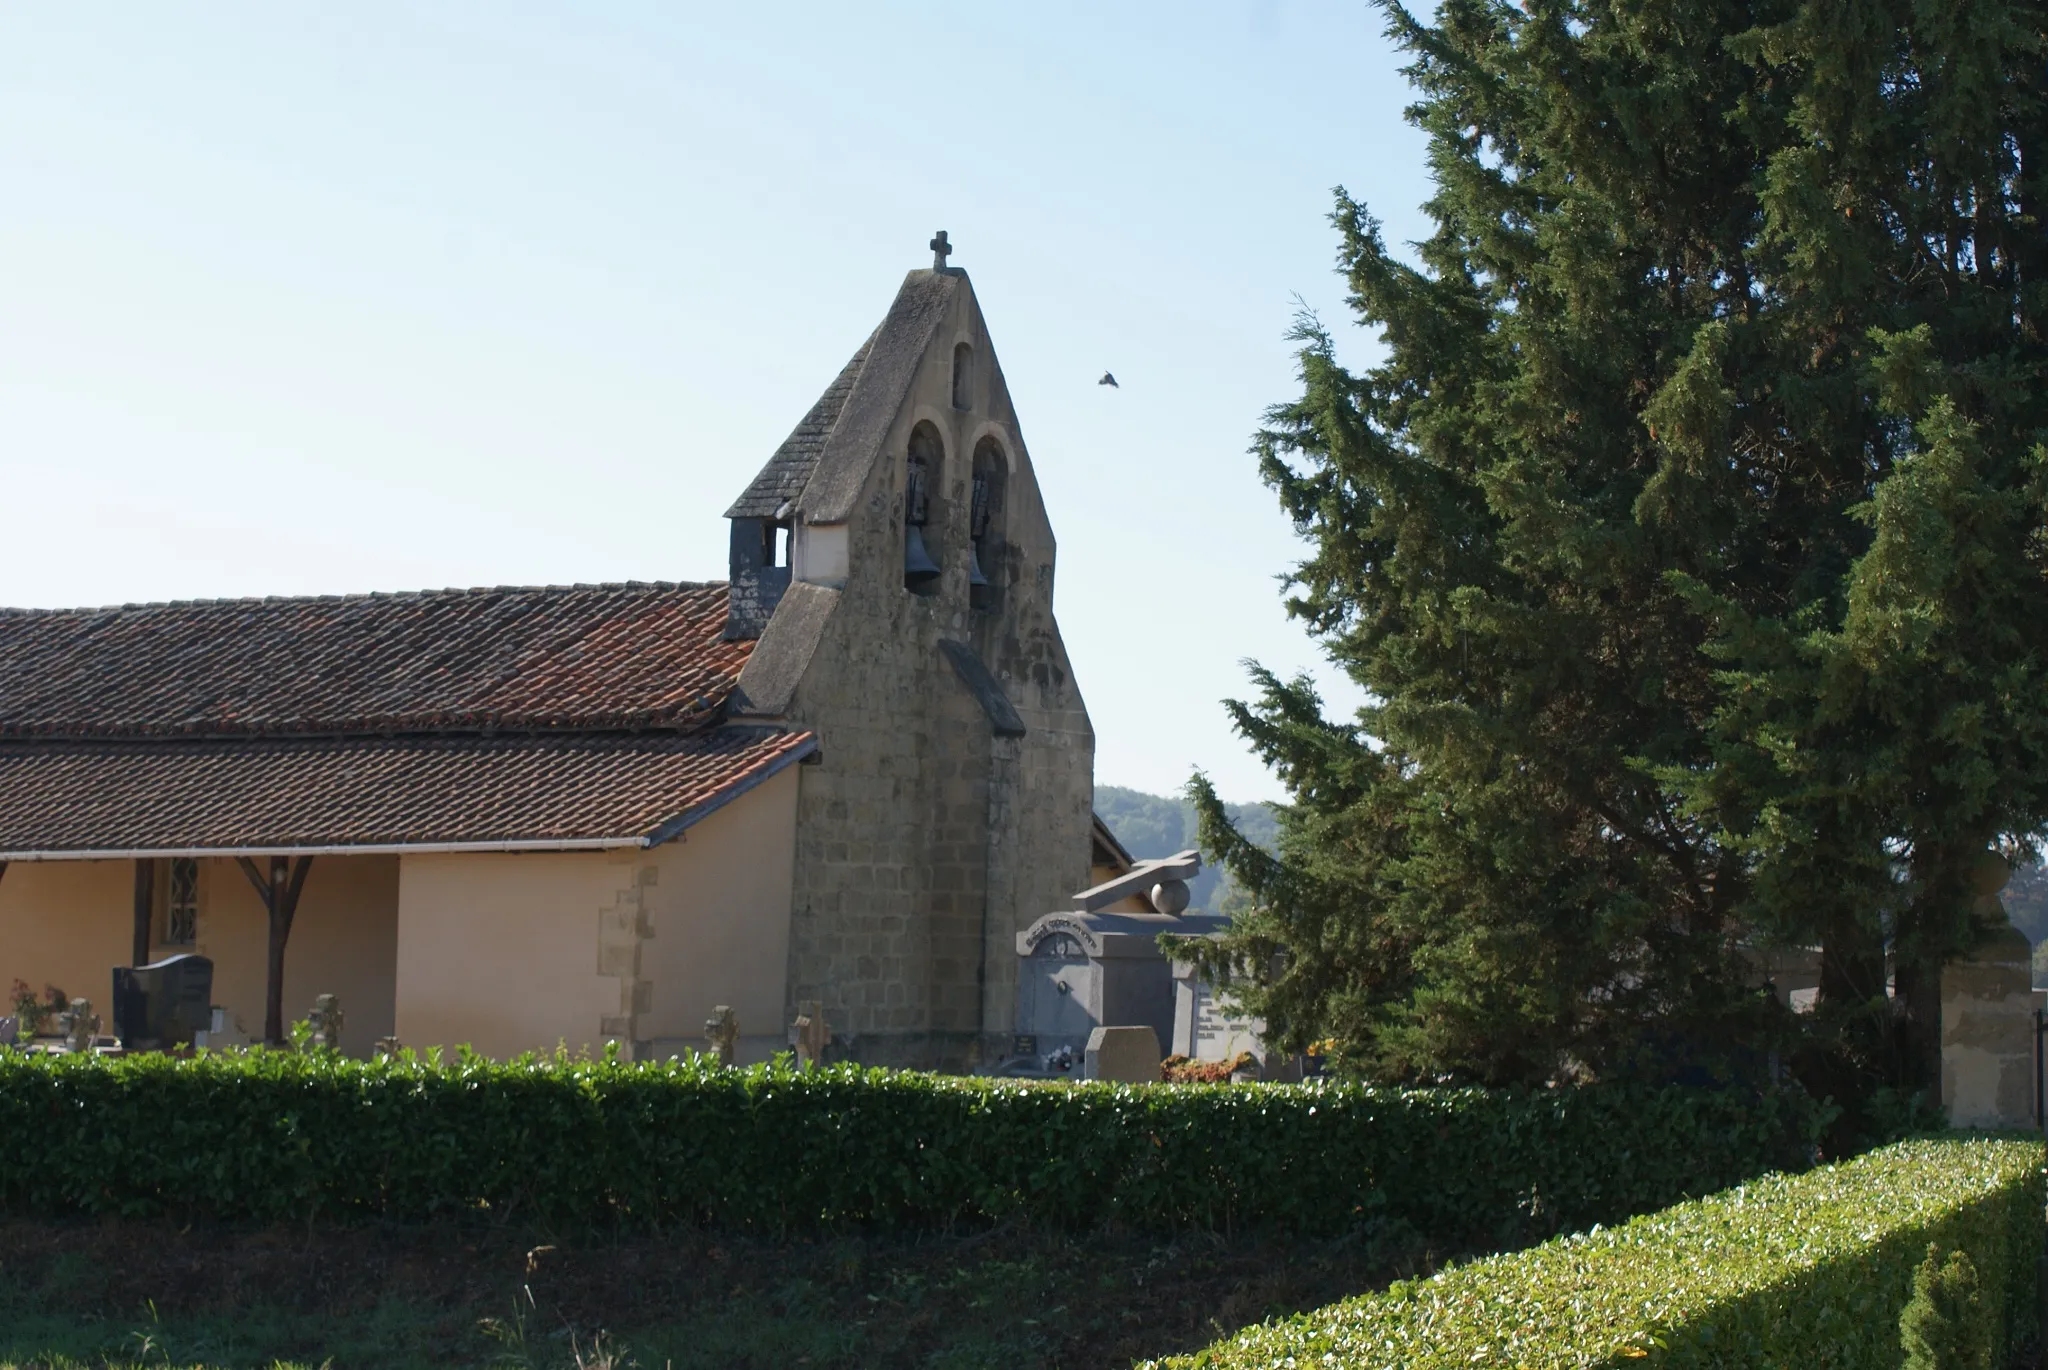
(925,841)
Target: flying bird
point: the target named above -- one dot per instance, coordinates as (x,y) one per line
(1108,379)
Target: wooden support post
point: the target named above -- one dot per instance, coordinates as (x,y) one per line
(280,896)
(145,908)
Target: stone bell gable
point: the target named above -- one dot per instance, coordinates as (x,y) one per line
(895,561)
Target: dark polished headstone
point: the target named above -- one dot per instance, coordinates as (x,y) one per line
(161,1005)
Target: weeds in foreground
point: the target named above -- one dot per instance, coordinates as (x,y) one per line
(518,1349)
(137,1297)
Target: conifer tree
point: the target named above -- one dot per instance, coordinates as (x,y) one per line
(1945,1325)
(1688,540)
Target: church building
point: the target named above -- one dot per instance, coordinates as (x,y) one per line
(578,815)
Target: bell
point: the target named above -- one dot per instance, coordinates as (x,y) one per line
(975,579)
(919,570)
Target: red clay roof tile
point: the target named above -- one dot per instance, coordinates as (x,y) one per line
(583,713)
(74,798)
(569,658)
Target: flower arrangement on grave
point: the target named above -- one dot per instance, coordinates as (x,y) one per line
(1184,1070)
(32,1014)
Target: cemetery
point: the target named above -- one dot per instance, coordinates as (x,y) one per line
(1078,1184)
(1670,1219)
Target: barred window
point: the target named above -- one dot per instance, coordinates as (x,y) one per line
(181,909)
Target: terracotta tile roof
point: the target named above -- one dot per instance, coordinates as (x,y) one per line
(787,471)
(578,657)
(80,797)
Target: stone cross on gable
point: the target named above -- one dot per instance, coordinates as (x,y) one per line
(722,1031)
(941,249)
(811,1033)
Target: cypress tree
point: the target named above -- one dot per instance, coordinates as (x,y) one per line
(1688,540)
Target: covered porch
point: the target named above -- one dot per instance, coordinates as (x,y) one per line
(511,895)
(280,930)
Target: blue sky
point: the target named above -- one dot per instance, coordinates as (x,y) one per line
(315,299)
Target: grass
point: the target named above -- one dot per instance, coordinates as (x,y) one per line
(98,1295)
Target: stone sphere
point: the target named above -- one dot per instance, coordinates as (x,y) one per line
(1170,896)
(1990,874)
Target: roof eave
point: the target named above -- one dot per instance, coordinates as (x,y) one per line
(493,845)
(668,830)
(691,817)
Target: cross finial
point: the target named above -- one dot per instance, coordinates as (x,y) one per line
(941,249)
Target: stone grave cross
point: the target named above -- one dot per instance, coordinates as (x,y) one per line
(722,1030)
(811,1034)
(81,1026)
(325,1020)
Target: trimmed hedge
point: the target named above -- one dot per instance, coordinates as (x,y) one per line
(1809,1271)
(578,1144)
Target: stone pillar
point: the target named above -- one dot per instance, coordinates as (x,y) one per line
(1987,1022)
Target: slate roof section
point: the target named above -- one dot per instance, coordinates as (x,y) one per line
(251,796)
(786,473)
(548,659)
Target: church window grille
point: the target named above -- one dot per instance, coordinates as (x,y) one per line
(963,377)
(181,906)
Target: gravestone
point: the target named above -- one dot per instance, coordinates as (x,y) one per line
(722,1031)
(810,1034)
(1127,1055)
(10,1029)
(1208,1026)
(1792,973)
(81,1026)
(325,1020)
(1079,971)
(164,1004)
(1987,1020)
(223,1030)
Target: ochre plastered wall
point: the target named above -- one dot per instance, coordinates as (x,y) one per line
(925,842)
(513,953)
(70,923)
(500,952)
(719,925)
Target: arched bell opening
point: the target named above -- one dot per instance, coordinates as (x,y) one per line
(985,547)
(922,465)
